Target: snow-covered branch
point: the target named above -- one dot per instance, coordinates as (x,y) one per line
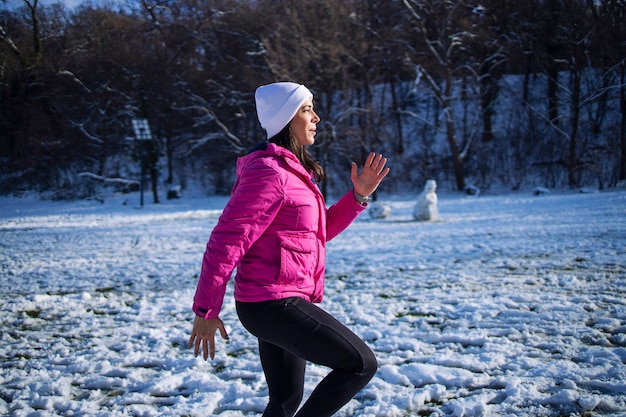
(75,79)
(106,180)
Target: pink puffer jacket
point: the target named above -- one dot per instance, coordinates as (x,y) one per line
(274,230)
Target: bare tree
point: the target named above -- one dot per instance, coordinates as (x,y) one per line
(610,46)
(445,37)
(191,68)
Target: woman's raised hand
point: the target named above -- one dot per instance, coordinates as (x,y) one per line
(373,172)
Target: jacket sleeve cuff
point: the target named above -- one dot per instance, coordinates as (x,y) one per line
(361,199)
(349,196)
(206,313)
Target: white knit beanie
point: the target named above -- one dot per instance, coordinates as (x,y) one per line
(277,103)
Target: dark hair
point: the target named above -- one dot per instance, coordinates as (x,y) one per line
(285,139)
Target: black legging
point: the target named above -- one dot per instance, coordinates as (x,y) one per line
(292,331)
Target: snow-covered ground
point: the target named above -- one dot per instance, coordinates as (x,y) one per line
(510,305)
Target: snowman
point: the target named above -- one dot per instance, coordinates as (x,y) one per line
(426,206)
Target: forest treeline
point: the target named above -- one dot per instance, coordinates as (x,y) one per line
(471,93)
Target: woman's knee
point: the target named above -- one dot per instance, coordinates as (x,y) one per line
(370,364)
(363,363)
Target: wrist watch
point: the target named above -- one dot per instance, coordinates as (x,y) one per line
(361,199)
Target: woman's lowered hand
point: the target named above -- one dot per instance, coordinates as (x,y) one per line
(203,335)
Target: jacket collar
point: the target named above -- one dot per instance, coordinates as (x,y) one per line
(278,151)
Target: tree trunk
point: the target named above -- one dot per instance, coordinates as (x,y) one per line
(398,119)
(457,160)
(154,180)
(573,173)
(37,44)
(528,72)
(169,152)
(622,133)
(488,96)
(553,100)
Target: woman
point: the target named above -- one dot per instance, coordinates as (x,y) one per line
(274,230)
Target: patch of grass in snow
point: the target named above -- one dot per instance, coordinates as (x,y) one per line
(401,314)
(431,410)
(236,353)
(178,343)
(115,393)
(219,368)
(33,314)
(105,290)
(24,356)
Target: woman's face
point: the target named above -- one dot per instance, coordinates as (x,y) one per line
(304,124)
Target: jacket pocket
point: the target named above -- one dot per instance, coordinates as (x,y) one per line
(298,257)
